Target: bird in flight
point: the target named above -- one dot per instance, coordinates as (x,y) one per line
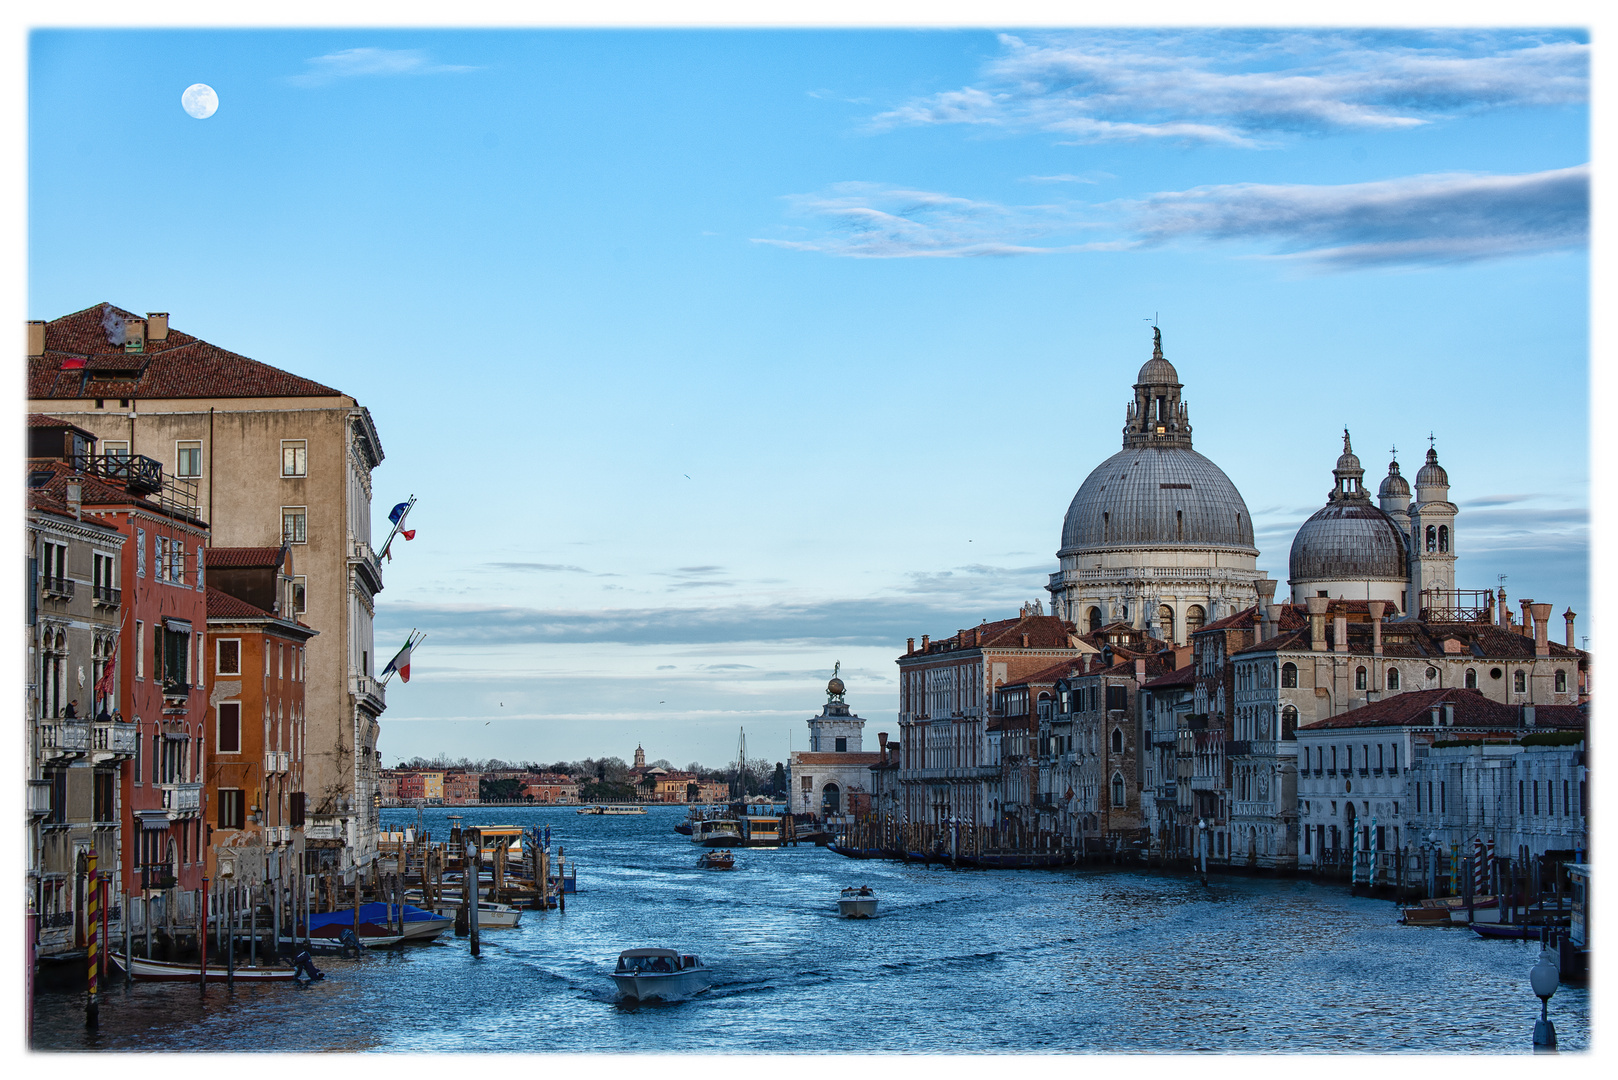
(686,475)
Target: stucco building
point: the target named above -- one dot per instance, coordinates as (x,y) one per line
(823,779)
(272,457)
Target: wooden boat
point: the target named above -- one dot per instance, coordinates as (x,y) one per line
(716,860)
(1510,931)
(663,974)
(1029,860)
(857,903)
(169,971)
(859,853)
(1426,916)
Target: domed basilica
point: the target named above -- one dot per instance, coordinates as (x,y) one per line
(1160,538)
(1157,535)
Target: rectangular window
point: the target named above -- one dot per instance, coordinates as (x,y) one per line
(140,649)
(293,529)
(229,740)
(1522,800)
(1418,798)
(199,568)
(188,460)
(1536,798)
(232,808)
(230,656)
(160,558)
(177,562)
(296,809)
(104,798)
(115,449)
(300,595)
(1443,801)
(294,457)
(1564,798)
(140,740)
(176,654)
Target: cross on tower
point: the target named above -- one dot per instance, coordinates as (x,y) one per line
(1431,438)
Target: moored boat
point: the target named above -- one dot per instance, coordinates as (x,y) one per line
(610,810)
(660,974)
(170,971)
(491,916)
(418,924)
(717,832)
(857,903)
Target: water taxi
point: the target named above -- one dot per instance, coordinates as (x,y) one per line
(611,811)
(661,974)
(857,903)
(762,831)
(717,832)
(716,860)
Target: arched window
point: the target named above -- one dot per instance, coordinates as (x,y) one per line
(1393,678)
(1432,675)
(1289,674)
(1443,538)
(1094,619)
(1118,791)
(1195,617)
(1471,678)
(1359,678)
(1117,740)
(830,799)
(1165,622)
(1519,681)
(1432,538)
(1289,723)
(1561,681)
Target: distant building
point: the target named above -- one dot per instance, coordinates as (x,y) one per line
(461,787)
(822,779)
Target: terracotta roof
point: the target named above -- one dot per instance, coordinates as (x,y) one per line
(222,605)
(1408,639)
(1185,676)
(93,491)
(864,757)
(41,420)
(81,360)
(239,557)
(1471,710)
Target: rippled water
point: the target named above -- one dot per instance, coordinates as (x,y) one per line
(958,961)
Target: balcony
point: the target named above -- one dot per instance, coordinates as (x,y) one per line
(110,741)
(106,596)
(57,588)
(64,740)
(369,692)
(39,799)
(157,876)
(181,799)
(362,559)
(276,761)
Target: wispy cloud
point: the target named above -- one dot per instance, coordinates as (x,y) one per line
(1244,88)
(538,567)
(361,62)
(876,221)
(1444,218)
(1407,221)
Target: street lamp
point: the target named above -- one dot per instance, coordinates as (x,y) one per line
(1202,846)
(1544,978)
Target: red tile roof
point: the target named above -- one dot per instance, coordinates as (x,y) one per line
(1186,677)
(93,491)
(41,420)
(222,605)
(1471,710)
(240,557)
(181,366)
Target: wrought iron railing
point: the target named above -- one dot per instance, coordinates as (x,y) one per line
(107,596)
(58,588)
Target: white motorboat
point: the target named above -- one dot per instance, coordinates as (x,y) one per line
(857,903)
(491,916)
(661,974)
(718,832)
(611,810)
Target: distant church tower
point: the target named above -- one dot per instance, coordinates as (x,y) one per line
(640,758)
(1432,533)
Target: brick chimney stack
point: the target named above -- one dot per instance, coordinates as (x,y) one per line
(36,337)
(1317,623)
(1376,607)
(1570,616)
(1542,623)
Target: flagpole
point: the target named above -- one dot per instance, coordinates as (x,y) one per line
(396,526)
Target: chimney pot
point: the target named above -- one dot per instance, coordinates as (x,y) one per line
(924,643)
(1317,622)
(1025,641)
(1449,714)
(910,645)
(1527,616)
(157,326)
(36,337)
(1376,607)
(1542,625)
(1569,615)
(1340,631)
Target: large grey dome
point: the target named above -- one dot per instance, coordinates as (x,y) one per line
(1157,496)
(1349,539)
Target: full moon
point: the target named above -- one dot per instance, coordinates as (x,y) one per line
(199,100)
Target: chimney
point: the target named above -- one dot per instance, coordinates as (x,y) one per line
(910,645)
(882,743)
(1340,631)
(1140,671)
(1527,616)
(924,643)
(1317,623)
(1542,624)
(1025,641)
(1504,611)
(1569,616)
(75,497)
(1266,607)
(1433,713)
(157,326)
(1527,716)
(36,337)
(1376,607)
(1449,714)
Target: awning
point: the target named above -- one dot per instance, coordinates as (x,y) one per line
(181,626)
(155,822)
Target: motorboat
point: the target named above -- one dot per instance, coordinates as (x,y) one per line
(857,903)
(611,811)
(329,938)
(170,971)
(660,974)
(491,916)
(418,924)
(493,836)
(718,832)
(716,860)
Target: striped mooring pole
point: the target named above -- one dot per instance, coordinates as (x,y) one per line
(1480,869)
(92,939)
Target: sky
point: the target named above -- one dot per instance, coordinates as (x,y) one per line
(715,357)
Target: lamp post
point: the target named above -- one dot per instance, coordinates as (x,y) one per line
(1202,846)
(1544,978)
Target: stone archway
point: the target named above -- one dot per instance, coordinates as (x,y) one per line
(831,800)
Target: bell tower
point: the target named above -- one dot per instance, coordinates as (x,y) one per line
(1432,533)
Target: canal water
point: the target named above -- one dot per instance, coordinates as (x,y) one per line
(958,961)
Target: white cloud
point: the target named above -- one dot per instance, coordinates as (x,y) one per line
(356,63)
(1243,88)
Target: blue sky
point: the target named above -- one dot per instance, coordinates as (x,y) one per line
(717,356)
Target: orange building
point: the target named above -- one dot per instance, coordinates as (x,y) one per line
(256,668)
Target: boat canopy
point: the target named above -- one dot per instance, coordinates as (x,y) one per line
(630,954)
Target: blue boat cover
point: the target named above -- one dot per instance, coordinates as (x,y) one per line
(374,912)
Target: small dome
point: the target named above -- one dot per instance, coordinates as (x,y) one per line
(1432,474)
(1349,540)
(1393,486)
(1157,372)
